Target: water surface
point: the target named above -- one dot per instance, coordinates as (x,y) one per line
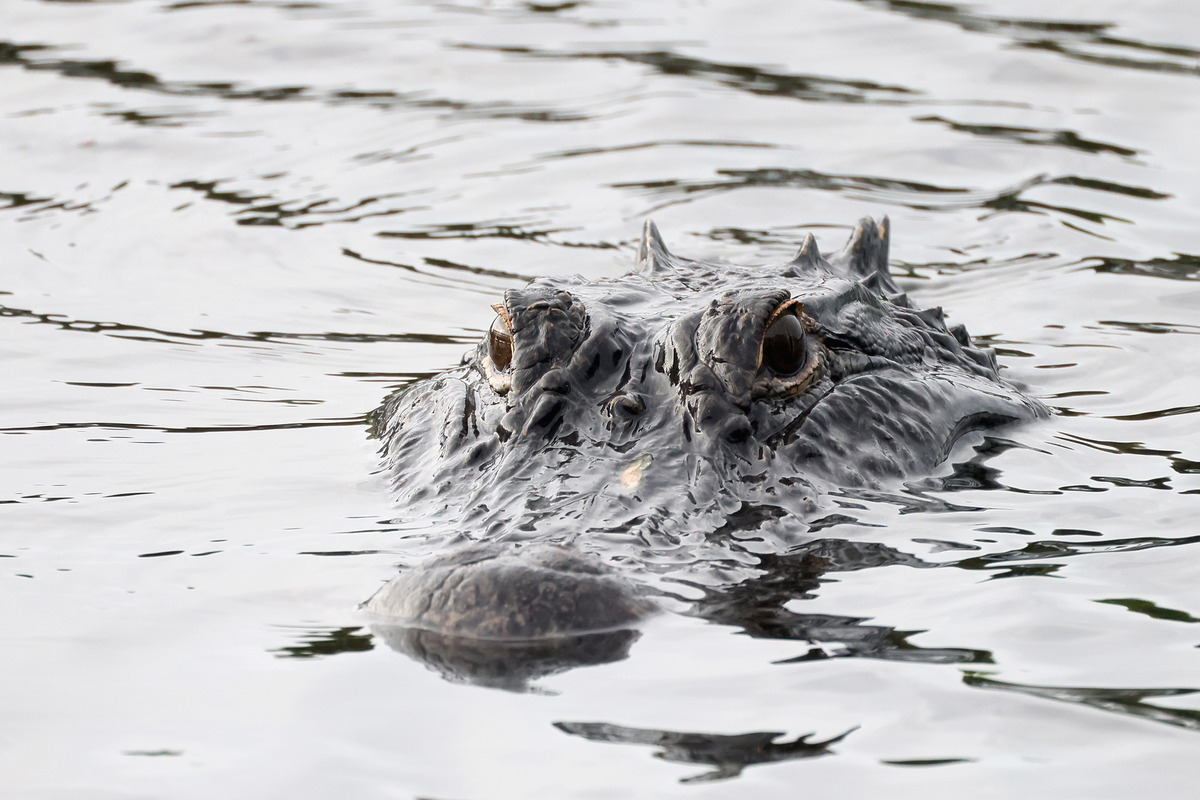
(229,229)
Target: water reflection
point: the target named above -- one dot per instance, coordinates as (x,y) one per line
(1091,42)
(508,665)
(1129,702)
(36,56)
(1181,267)
(743,77)
(1033,136)
(144,333)
(760,607)
(727,754)
(520,228)
(262,209)
(974,473)
(327,642)
(917,195)
(1152,610)
(1183,466)
(1042,550)
(364,168)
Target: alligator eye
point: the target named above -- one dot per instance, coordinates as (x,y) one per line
(500,344)
(791,356)
(783,347)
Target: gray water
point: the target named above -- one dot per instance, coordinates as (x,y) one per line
(228,228)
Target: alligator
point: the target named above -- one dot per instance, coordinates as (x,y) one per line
(684,424)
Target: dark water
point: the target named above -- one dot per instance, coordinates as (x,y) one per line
(229,227)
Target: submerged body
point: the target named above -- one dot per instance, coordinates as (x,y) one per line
(664,408)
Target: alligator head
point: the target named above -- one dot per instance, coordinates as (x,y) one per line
(631,420)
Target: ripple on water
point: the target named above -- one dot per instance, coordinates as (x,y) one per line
(269,214)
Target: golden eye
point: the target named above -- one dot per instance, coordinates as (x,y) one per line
(500,342)
(783,348)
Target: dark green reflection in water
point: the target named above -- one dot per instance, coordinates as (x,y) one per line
(327,642)
(1150,609)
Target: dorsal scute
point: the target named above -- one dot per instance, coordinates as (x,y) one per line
(807,259)
(810,254)
(933,316)
(959,332)
(866,254)
(653,255)
(876,283)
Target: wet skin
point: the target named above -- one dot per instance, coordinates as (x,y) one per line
(624,421)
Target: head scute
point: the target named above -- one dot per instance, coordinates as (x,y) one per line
(653,255)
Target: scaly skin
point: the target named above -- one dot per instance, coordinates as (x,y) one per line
(648,410)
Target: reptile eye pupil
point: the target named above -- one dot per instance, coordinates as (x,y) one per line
(783,345)
(500,344)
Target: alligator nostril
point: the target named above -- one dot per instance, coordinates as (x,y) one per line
(545,413)
(625,405)
(737,430)
(554,381)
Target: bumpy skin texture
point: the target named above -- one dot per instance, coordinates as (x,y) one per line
(642,410)
(546,589)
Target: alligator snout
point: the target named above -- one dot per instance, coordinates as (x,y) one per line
(504,613)
(510,591)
